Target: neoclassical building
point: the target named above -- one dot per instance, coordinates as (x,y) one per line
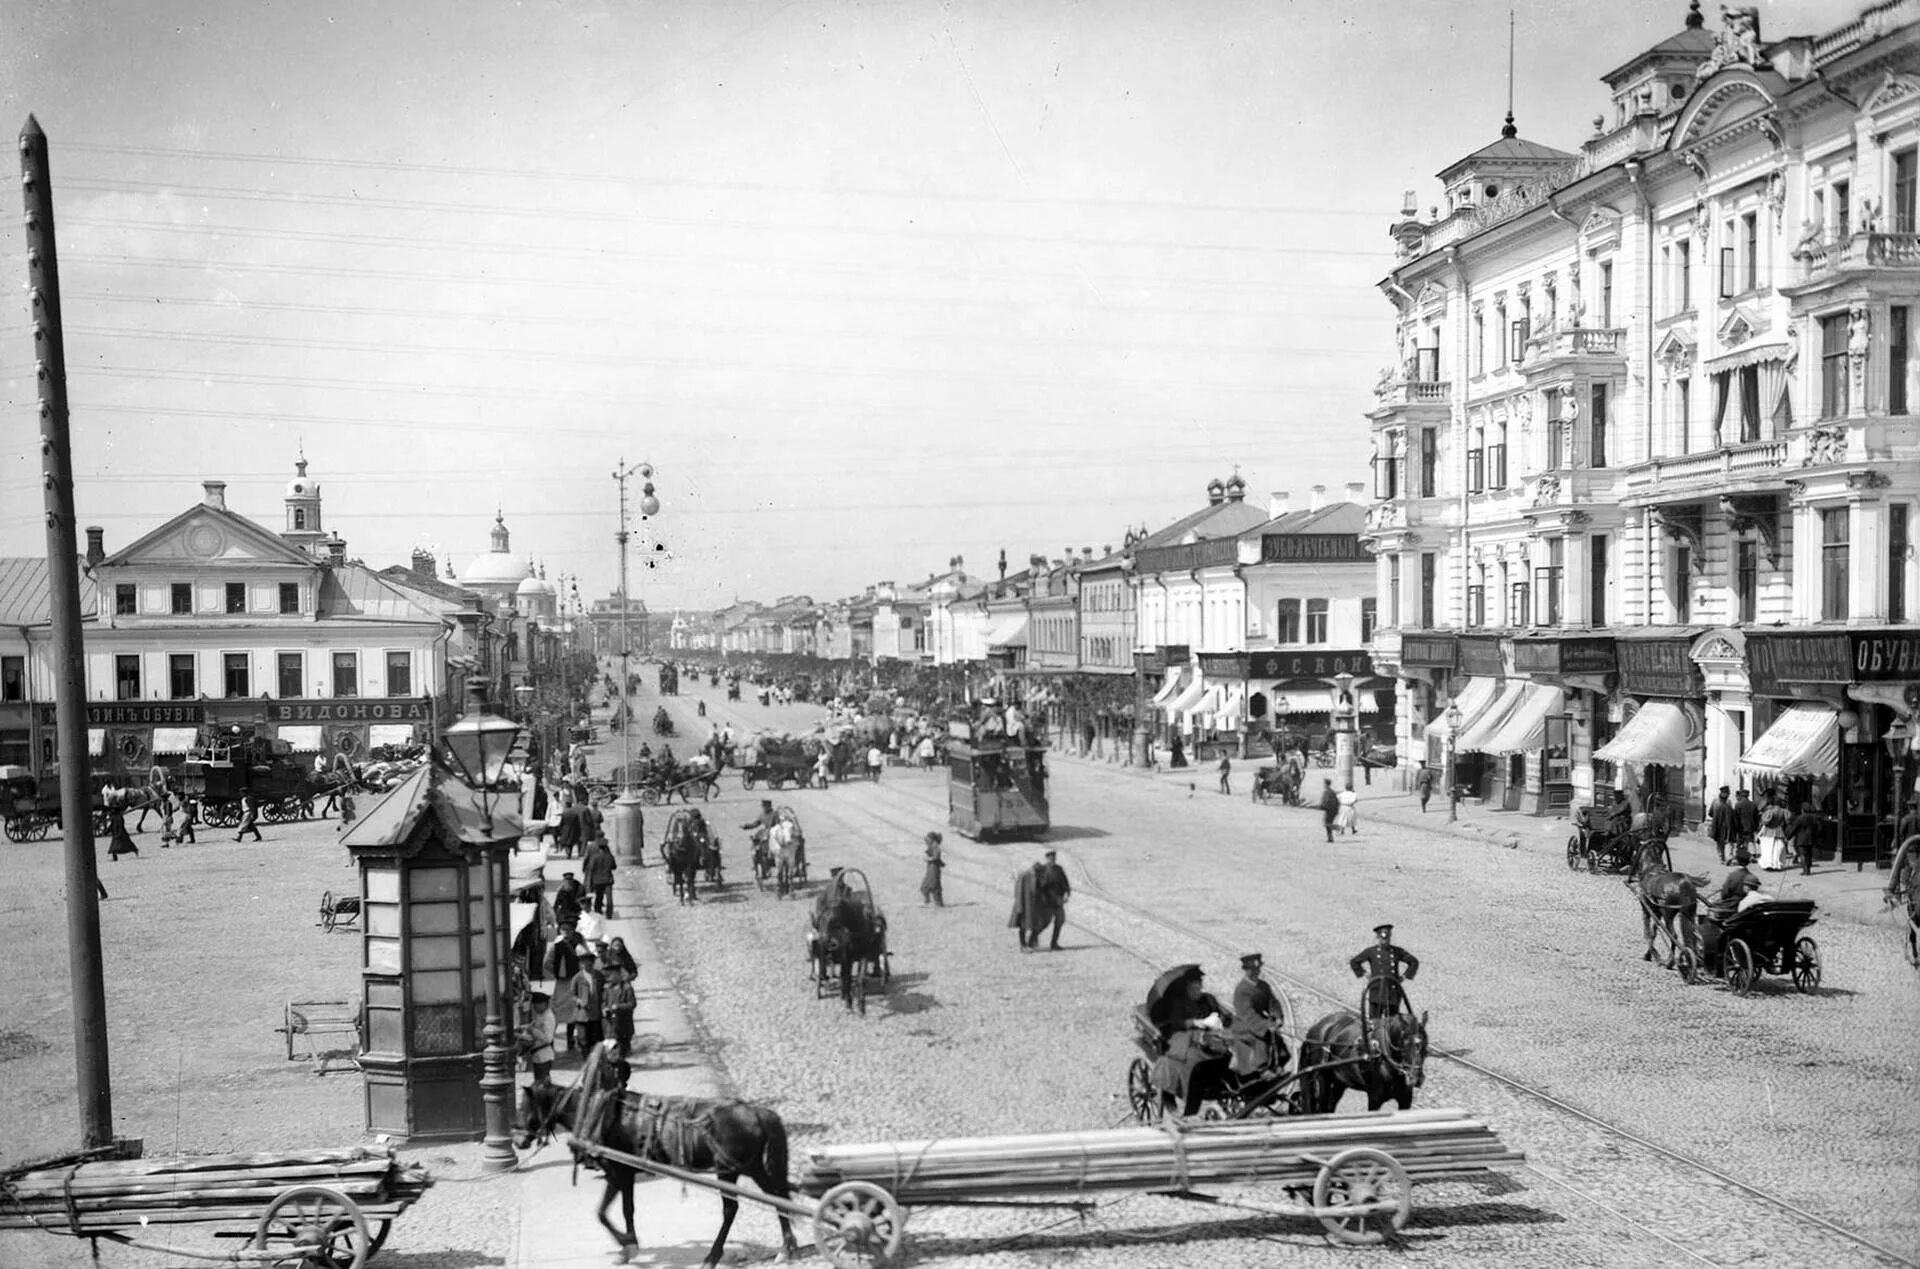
(1646,467)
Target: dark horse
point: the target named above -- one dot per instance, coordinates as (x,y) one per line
(685,854)
(1335,1055)
(1665,897)
(851,934)
(730,1139)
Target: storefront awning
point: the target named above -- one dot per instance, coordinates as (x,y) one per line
(1471,700)
(1287,704)
(97,741)
(1477,736)
(1009,631)
(172,740)
(1804,741)
(1186,700)
(390,734)
(302,739)
(1656,736)
(1170,687)
(1526,727)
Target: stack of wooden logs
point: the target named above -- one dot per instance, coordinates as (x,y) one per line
(116,1195)
(1174,1156)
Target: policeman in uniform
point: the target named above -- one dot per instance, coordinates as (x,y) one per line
(1258,1020)
(1384,965)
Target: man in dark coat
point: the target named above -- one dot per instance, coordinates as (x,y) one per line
(1423,783)
(1055,889)
(568,901)
(1029,916)
(1720,824)
(1258,1020)
(1803,834)
(598,867)
(1746,821)
(1384,966)
(576,830)
(1329,808)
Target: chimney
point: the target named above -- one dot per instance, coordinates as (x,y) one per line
(96,544)
(1277,504)
(1353,490)
(336,550)
(1319,495)
(423,563)
(216,494)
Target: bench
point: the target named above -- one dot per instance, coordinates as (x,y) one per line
(310,1018)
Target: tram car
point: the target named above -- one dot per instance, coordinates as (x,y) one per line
(996,786)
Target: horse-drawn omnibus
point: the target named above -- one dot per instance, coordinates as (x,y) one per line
(995,785)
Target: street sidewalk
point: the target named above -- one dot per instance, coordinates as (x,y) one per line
(1841,891)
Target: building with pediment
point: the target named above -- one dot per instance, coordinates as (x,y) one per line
(1647,464)
(214,620)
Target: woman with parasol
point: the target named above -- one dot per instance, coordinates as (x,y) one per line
(1194,1026)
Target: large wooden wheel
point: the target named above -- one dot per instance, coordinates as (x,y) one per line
(1741,971)
(313,1227)
(1363,1196)
(1806,965)
(858,1224)
(1141,1097)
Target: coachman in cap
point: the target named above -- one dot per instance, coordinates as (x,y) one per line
(1257,1036)
(1384,965)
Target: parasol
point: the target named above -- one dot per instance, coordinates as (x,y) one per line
(1164,985)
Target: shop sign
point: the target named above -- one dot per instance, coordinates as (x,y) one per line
(1482,657)
(1880,656)
(1312,548)
(1658,667)
(1224,665)
(1309,665)
(1208,553)
(1857,656)
(1432,652)
(401,709)
(1563,656)
(136,714)
(1154,662)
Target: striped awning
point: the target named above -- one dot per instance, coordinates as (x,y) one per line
(1477,736)
(1287,704)
(1167,689)
(1804,741)
(1656,736)
(1186,700)
(1470,700)
(1525,729)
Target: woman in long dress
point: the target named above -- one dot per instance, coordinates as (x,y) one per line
(1346,820)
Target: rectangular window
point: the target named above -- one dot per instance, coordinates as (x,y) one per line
(1429,568)
(1843,209)
(182,595)
(1750,249)
(1518,351)
(1898,544)
(126,678)
(1749,404)
(1835,533)
(13,678)
(1833,366)
(1597,580)
(1680,585)
(1597,427)
(1426,365)
(1518,604)
(1386,472)
(399,674)
(1606,294)
(1728,276)
(1899,355)
(1546,583)
(1477,605)
(1429,463)
(1555,433)
(1500,344)
(236,597)
(125,603)
(1497,459)
(1684,253)
(1393,589)
(1746,581)
(292,674)
(236,669)
(1476,470)
(180,677)
(1286,622)
(1370,617)
(346,674)
(1316,621)
(1902,210)
(290,597)
(1479,344)
(1683,413)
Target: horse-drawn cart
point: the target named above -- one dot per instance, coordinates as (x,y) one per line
(849,933)
(317,1209)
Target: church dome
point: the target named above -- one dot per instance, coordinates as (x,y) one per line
(533,586)
(495,568)
(302,486)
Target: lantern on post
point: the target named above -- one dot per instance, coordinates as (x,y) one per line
(433,858)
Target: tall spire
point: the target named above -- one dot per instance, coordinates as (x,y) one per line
(1509,131)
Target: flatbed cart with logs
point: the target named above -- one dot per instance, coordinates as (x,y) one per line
(315,1209)
(1352,1173)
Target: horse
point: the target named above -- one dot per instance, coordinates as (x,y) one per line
(1664,896)
(786,839)
(683,864)
(726,1137)
(850,932)
(1337,1054)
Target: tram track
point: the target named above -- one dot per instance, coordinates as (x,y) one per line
(1089,885)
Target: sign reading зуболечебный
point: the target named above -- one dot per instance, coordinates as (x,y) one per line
(1832,656)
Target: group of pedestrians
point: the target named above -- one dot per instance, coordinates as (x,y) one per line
(586,997)
(1742,828)
(1339,812)
(1040,897)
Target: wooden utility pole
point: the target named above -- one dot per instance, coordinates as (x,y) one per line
(93,1082)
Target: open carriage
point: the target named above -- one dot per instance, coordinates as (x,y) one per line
(1222,1091)
(30,806)
(1595,847)
(688,831)
(871,964)
(1766,938)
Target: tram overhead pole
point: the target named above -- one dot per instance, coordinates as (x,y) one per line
(649,507)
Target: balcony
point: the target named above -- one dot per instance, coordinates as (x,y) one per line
(1831,260)
(1429,397)
(1736,467)
(1546,352)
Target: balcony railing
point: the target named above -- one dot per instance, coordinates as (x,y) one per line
(1414,392)
(1756,458)
(1858,253)
(1580,341)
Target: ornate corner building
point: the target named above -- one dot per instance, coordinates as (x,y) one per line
(1646,465)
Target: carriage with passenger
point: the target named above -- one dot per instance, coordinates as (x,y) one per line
(1596,845)
(848,930)
(1202,1066)
(691,851)
(1765,938)
(780,854)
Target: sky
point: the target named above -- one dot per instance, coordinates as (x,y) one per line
(871,285)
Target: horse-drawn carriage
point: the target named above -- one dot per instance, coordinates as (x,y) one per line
(777,764)
(1154,1086)
(1596,846)
(780,853)
(1765,938)
(1281,782)
(229,764)
(849,932)
(662,722)
(691,850)
(30,806)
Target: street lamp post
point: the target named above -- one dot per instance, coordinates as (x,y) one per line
(1898,739)
(479,744)
(1344,715)
(626,808)
(1454,719)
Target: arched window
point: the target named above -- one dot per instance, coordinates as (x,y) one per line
(299,518)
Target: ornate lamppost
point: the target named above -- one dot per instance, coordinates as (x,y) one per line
(1345,715)
(1454,719)
(478,744)
(1898,739)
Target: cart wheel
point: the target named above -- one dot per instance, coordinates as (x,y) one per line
(1573,853)
(1740,969)
(746,780)
(380,1230)
(1593,859)
(313,1227)
(650,796)
(1140,1094)
(1688,966)
(858,1224)
(1806,965)
(327,917)
(16,828)
(1373,1185)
